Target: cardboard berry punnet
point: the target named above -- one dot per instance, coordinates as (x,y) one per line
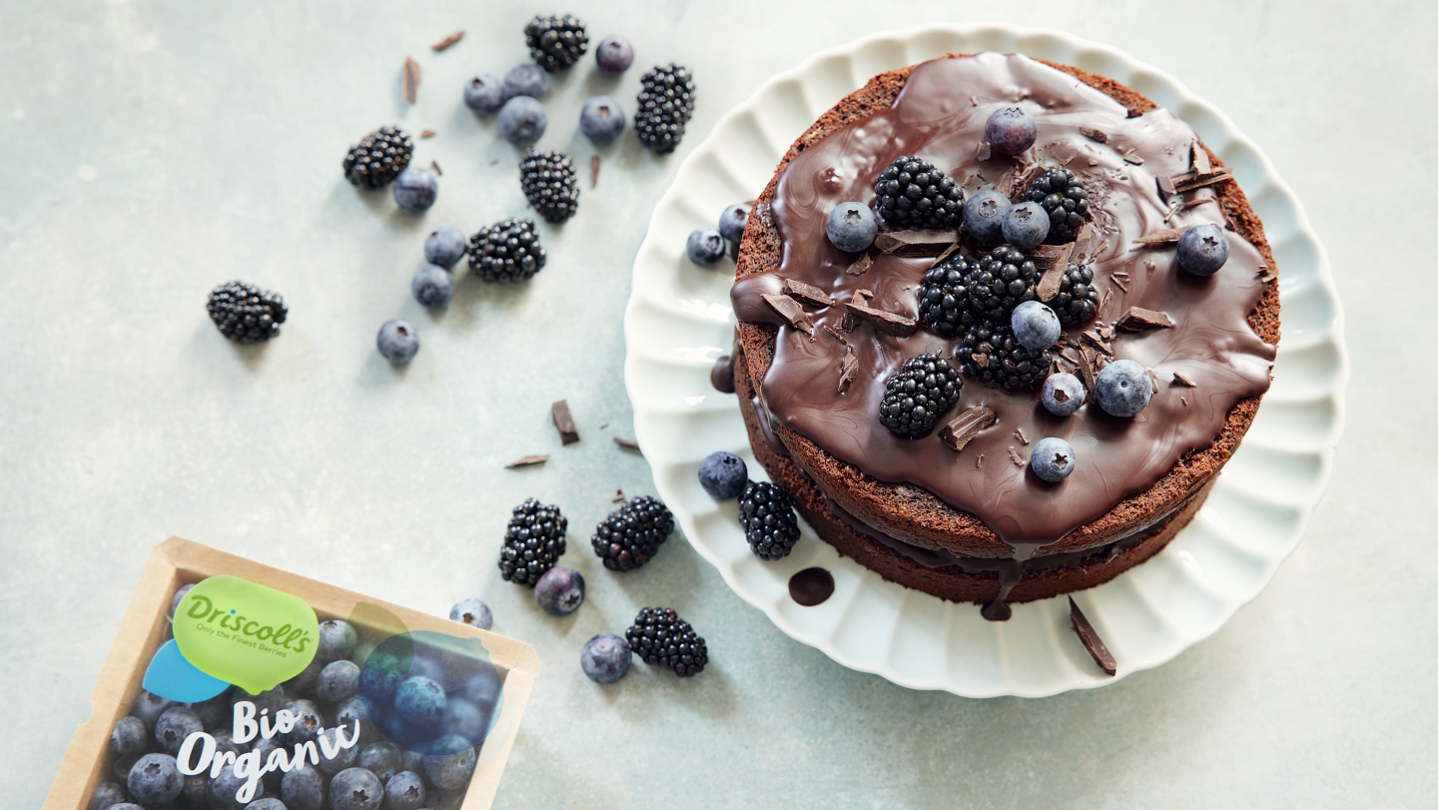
(447,695)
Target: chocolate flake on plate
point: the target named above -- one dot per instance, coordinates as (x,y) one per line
(618,496)
(564,422)
(963,428)
(1094,134)
(1179,379)
(886,322)
(526,461)
(915,243)
(1118,282)
(448,41)
(1138,319)
(593,170)
(629,443)
(848,367)
(1162,237)
(807,293)
(1091,641)
(411,80)
(428,133)
(949,251)
(437,170)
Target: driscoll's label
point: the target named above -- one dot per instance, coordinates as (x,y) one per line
(245,634)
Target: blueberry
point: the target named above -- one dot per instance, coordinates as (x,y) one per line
(522,121)
(124,806)
(382,759)
(195,793)
(852,227)
(1123,388)
(1062,394)
(174,726)
(179,594)
(1052,459)
(129,738)
(1203,249)
(221,790)
(449,770)
(464,718)
(271,699)
(263,748)
(269,803)
(337,640)
(303,789)
(351,709)
(484,94)
(527,79)
(344,758)
(415,190)
(338,680)
(614,54)
(213,713)
(398,341)
(308,722)
(381,676)
(601,120)
(560,591)
(420,700)
(108,793)
(404,791)
(432,286)
(483,687)
(1010,130)
(473,612)
(148,707)
(984,216)
(1036,325)
(705,247)
(356,789)
(733,220)
(445,246)
(1026,225)
(155,779)
(301,684)
(605,658)
(723,475)
(413,761)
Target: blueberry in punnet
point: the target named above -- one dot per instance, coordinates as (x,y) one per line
(338,680)
(213,713)
(984,216)
(221,790)
(852,227)
(179,595)
(766,512)
(356,789)
(733,220)
(303,789)
(601,119)
(705,247)
(123,806)
(526,79)
(271,699)
(632,534)
(473,612)
(924,388)
(1026,226)
(723,475)
(195,793)
(665,105)
(432,286)
(174,726)
(445,246)
(522,120)
(1010,130)
(383,759)
(420,700)
(155,779)
(548,182)
(345,758)
(484,94)
(404,791)
(337,640)
(605,658)
(1052,459)
(508,250)
(1203,249)
(614,54)
(452,770)
(415,190)
(1062,394)
(398,341)
(1035,325)
(556,42)
(129,738)
(308,722)
(1123,388)
(663,639)
(465,718)
(353,708)
(560,591)
(269,803)
(107,794)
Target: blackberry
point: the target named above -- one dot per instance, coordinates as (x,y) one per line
(1003,280)
(632,534)
(912,193)
(1077,300)
(548,182)
(944,297)
(666,103)
(767,514)
(245,313)
(993,356)
(378,158)
(556,42)
(508,250)
(1061,194)
(661,638)
(917,394)
(532,543)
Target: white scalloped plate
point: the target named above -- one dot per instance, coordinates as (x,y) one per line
(679,321)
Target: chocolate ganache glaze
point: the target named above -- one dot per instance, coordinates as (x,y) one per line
(939,116)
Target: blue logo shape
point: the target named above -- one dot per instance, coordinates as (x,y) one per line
(171,676)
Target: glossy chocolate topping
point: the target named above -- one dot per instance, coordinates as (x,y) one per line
(936,118)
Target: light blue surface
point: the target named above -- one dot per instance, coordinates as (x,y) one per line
(154,150)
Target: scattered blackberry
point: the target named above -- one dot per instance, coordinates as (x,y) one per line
(508,250)
(660,637)
(914,194)
(993,356)
(548,182)
(767,514)
(917,394)
(556,42)
(632,534)
(246,314)
(944,297)
(532,543)
(666,103)
(1066,201)
(378,158)
(1077,300)
(1003,280)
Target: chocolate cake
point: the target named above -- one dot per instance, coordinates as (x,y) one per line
(957,512)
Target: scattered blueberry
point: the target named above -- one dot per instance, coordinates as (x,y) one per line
(303,789)
(527,79)
(420,700)
(338,680)
(723,475)
(404,791)
(356,789)
(383,759)
(705,247)
(614,54)
(605,658)
(522,120)
(473,612)
(984,216)
(446,246)
(415,190)
(1062,393)
(1010,130)
(174,726)
(1203,249)
(1026,225)
(1052,459)
(398,341)
(432,286)
(560,591)
(1123,388)
(1036,326)
(155,780)
(452,770)
(484,94)
(601,120)
(129,738)
(852,227)
(733,220)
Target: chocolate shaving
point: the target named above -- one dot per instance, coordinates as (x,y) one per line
(1086,368)
(564,422)
(526,461)
(593,170)
(1098,342)
(831,330)
(1138,319)
(1017,459)
(494,162)
(448,41)
(1132,157)
(790,311)
(1164,236)
(807,293)
(1189,182)
(1266,275)
(1091,641)
(848,367)
(949,251)
(428,133)
(1179,379)
(886,322)
(973,101)
(1019,434)
(1198,159)
(915,243)
(411,80)
(960,430)
(1118,282)
(618,496)
(860,266)
(983,152)
(1165,186)
(629,443)
(1153,378)
(1081,243)
(1094,134)
(437,170)
(1052,259)
(1184,400)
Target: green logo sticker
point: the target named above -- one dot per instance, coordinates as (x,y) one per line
(246,634)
